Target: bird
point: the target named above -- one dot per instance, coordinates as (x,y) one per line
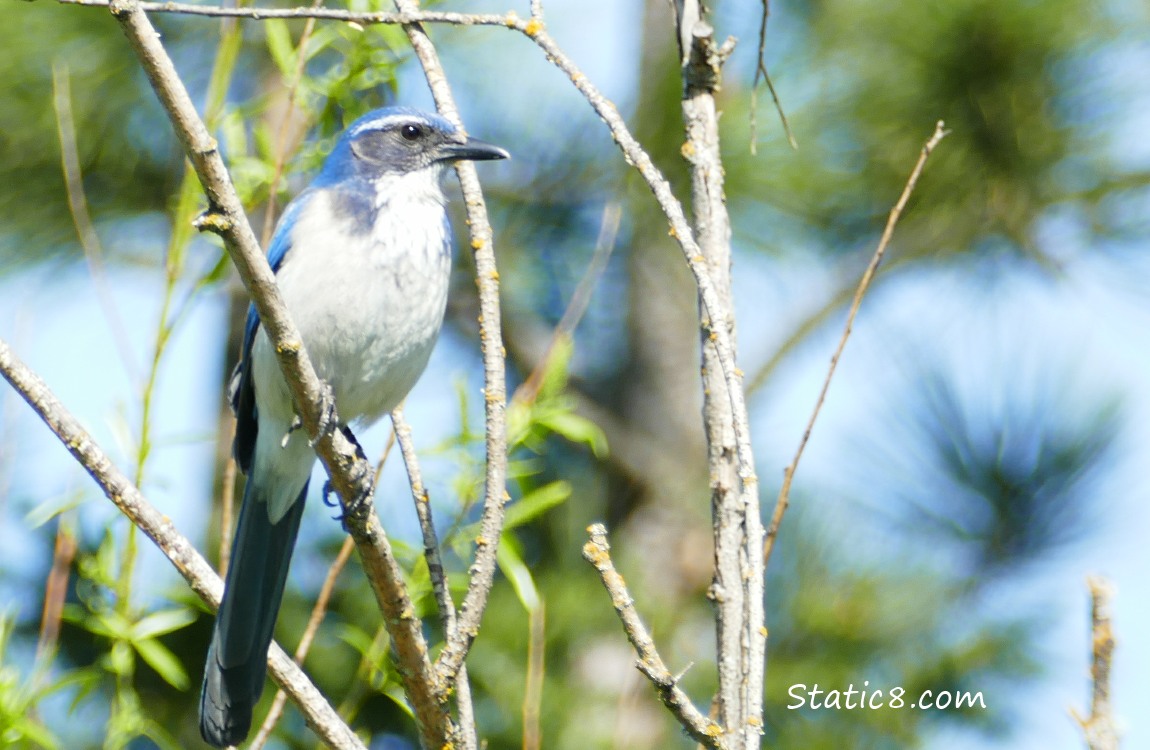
(362,259)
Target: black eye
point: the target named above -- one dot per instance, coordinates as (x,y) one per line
(411,132)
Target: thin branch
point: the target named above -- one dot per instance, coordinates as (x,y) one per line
(868,275)
(681,229)
(81,219)
(332,14)
(56,588)
(577,305)
(285,122)
(761,73)
(183,555)
(350,474)
(701,729)
(436,571)
(318,611)
(1098,728)
(482,570)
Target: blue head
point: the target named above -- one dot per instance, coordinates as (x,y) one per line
(396,141)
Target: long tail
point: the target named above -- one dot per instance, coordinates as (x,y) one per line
(237,657)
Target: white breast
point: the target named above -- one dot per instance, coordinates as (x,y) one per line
(369,305)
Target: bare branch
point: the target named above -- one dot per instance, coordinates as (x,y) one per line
(81,218)
(482,570)
(577,305)
(895,212)
(1098,728)
(701,729)
(681,229)
(350,474)
(737,588)
(435,569)
(183,555)
(281,148)
(761,73)
(332,14)
(56,588)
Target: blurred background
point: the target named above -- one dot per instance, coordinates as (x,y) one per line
(982,451)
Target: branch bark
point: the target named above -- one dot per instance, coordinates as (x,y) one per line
(737,589)
(1098,728)
(460,638)
(598,552)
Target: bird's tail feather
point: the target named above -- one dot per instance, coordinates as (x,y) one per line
(237,657)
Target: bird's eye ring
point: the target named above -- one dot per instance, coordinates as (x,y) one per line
(411,132)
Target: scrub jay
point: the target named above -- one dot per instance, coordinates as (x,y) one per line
(362,259)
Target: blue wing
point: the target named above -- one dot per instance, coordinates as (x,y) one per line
(242,389)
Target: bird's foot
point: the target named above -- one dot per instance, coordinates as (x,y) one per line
(327,417)
(363,480)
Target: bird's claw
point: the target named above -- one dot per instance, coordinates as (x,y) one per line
(327,420)
(363,480)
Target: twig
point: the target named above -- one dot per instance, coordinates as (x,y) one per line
(56,588)
(761,73)
(868,275)
(81,219)
(701,729)
(580,299)
(737,588)
(350,475)
(281,134)
(318,610)
(435,569)
(1098,728)
(681,229)
(183,555)
(482,570)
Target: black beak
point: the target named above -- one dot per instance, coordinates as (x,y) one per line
(472,150)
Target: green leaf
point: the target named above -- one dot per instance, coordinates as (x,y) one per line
(536,503)
(161,659)
(517,572)
(577,429)
(160,623)
(395,692)
(531,506)
(555,371)
(357,638)
(27,730)
(280,46)
(218,272)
